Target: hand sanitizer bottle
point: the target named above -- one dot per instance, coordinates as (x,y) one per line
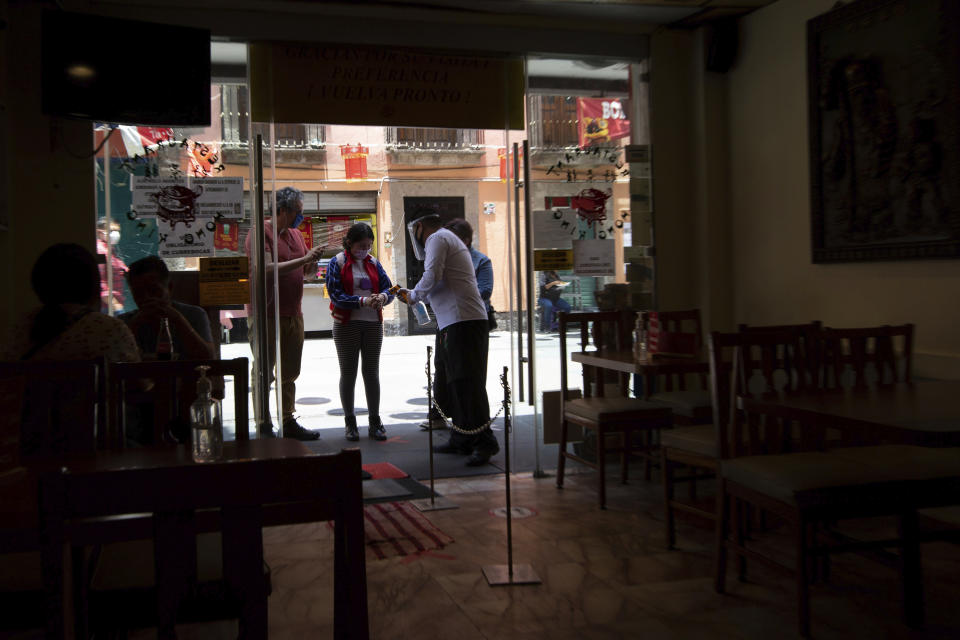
(205,422)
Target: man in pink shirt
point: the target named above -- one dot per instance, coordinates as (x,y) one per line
(291,260)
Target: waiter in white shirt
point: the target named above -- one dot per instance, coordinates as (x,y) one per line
(449,285)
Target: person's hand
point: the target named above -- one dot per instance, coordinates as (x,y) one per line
(378,300)
(152,310)
(403,295)
(314,254)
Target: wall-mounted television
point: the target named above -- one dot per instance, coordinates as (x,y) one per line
(124,71)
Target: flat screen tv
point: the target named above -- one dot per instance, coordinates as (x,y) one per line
(124,71)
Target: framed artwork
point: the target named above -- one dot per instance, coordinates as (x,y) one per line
(884,85)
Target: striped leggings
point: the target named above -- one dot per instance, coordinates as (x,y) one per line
(351,340)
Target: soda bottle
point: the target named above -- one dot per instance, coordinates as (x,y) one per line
(164,341)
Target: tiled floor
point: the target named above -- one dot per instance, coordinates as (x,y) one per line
(605,574)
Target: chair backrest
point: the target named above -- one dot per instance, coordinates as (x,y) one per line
(765,363)
(721,349)
(811,345)
(603,330)
(54,407)
(167,389)
(681,334)
(680,322)
(860,357)
(246,494)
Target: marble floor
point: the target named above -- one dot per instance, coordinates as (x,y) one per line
(605,574)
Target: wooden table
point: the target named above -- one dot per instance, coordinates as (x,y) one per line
(648,367)
(921,413)
(18,487)
(170,484)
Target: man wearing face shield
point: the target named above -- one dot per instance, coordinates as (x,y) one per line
(291,260)
(449,285)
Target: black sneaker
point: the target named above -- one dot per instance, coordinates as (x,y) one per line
(292,429)
(266,431)
(481,455)
(376,430)
(450,448)
(350,431)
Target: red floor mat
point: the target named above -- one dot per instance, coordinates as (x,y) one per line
(381,470)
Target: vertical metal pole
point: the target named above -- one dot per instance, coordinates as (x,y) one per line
(262,377)
(429,423)
(506,459)
(108,218)
(433,504)
(517,185)
(528,272)
(531,329)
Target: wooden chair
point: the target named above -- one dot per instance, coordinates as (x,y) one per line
(695,447)
(765,464)
(83,507)
(172,389)
(47,408)
(596,411)
(690,400)
(864,356)
(62,405)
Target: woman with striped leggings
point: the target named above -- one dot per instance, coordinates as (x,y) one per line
(358,289)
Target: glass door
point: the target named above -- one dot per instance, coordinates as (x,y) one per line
(588,224)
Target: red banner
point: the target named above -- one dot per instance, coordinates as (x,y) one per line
(601,120)
(227,236)
(502,155)
(354,161)
(306,228)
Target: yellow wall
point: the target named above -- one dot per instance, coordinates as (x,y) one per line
(774,278)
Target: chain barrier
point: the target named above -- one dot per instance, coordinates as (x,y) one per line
(466,432)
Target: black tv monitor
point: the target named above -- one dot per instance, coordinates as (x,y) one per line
(124,71)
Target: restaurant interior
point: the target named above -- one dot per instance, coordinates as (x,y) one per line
(747,428)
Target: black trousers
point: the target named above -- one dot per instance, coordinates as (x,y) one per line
(460,383)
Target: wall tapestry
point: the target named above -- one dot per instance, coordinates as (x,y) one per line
(883,78)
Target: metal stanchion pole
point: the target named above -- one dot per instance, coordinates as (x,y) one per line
(432,504)
(499,574)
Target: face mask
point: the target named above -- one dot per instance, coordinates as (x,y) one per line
(359,254)
(297,221)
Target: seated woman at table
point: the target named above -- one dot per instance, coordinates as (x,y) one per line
(551,286)
(69,325)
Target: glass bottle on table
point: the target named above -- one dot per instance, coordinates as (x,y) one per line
(639,340)
(164,341)
(206,425)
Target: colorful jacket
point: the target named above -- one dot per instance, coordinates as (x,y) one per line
(340,284)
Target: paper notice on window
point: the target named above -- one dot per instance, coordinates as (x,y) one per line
(554,228)
(183,200)
(180,241)
(594,257)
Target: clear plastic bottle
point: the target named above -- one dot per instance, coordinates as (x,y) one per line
(418,308)
(164,341)
(206,425)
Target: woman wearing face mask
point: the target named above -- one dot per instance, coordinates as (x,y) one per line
(357,286)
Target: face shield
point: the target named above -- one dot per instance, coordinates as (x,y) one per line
(419,251)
